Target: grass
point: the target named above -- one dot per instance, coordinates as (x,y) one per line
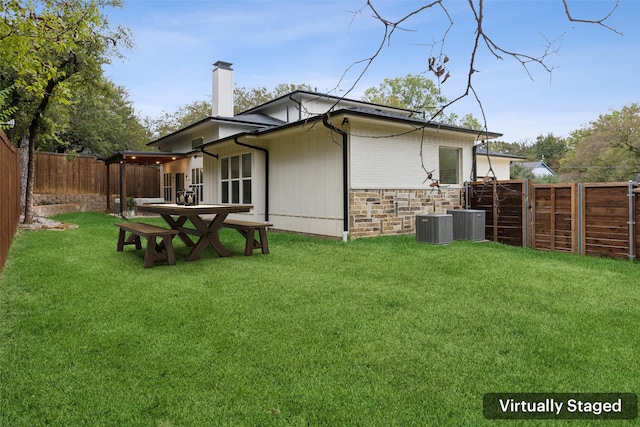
(377,332)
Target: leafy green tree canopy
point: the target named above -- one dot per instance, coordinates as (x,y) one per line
(417,93)
(608,149)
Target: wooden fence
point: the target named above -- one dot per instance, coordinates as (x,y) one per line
(506,209)
(9,195)
(589,219)
(55,174)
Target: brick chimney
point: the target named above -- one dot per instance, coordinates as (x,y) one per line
(222,90)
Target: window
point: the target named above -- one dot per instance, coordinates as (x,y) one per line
(449,165)
(166,186)
(197,183)
(196,142)
(235,177)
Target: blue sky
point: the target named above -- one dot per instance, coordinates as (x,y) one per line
(315,42)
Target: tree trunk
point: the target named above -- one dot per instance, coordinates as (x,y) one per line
(28,200)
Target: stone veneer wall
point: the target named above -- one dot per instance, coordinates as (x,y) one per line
(53,204)
(386,212)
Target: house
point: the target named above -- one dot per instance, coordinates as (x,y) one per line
(498,162)
(538,169)
(320,164)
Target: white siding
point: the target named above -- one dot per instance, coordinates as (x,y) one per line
(306,183)
(211,180)
(394,162)
(501,167)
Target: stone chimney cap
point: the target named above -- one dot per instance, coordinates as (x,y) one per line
(223,65)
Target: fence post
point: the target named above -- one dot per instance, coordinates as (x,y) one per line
(580,218)
(631,222)
(525,208)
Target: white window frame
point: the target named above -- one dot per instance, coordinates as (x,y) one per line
(236,182)
(167,188)
(197,182)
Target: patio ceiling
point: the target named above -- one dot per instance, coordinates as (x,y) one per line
(143,158)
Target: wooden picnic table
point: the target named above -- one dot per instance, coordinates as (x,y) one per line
(206,229)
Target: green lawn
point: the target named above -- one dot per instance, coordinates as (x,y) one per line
(374,332)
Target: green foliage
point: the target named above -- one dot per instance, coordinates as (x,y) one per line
(398,335)
(608,149)
(247,98)
(186,115)
(551,149)
(45,44)
(413,92)
(99,119)
(6,112)
(417,93)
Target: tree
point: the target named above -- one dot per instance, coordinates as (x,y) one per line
(413,92)
(246,98)
(551,149)
(417,93)
(184,116)
(98,119)
(608,149)
(45,44)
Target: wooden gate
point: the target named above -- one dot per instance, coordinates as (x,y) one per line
(555,217)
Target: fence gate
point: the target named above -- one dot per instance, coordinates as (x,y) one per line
(555,217)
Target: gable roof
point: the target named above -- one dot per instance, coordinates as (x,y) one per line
(536,165)
(337,99)
(258,123)
(355,111)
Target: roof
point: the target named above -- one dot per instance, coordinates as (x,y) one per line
(266,124)
(357,111)
(483,152)
(248,119)
(414,120)
(536,165)
(337,99)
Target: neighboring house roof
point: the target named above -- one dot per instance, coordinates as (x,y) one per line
(538,168)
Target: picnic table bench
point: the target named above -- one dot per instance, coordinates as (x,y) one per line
(155,251)
(248,229)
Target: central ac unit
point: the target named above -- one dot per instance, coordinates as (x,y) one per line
(436,229)
(468,224)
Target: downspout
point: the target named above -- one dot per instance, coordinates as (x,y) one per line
(266,172)
(345,178)
(474,164)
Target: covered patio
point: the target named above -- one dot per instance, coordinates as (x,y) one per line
(124,158)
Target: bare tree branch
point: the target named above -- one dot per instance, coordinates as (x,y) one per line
(592,21)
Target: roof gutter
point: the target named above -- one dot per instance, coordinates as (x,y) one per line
(345,178)
(266,172)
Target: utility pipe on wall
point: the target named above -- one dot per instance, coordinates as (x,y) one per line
(345,177)
(266,172)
